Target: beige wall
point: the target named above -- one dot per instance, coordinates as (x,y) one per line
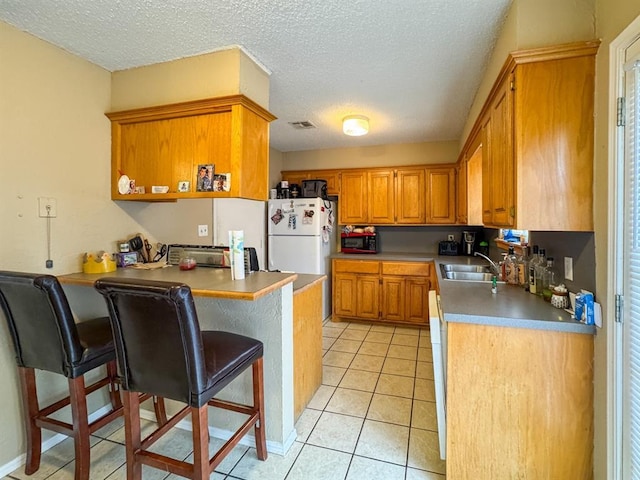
(530,24)
(225,72)
(613,16)
(55,143)
(376,156)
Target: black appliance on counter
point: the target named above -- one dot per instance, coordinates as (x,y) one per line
(448,247)
(208,256)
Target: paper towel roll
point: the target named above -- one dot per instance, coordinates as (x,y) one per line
(236,250)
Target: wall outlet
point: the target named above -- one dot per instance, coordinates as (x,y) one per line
(203,230)
(47,207)
(450,238)
(568,268)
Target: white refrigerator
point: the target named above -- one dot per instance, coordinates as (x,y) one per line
(301,238)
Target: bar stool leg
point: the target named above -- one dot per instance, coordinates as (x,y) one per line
(161,411)
(80,422)
(31,411)
(258,401)
(200,424)
(114,385)
(133,440)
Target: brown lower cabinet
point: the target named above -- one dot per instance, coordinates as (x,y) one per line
(519,403)
(381,291)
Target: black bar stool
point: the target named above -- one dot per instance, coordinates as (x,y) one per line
(162,351)
(46,337)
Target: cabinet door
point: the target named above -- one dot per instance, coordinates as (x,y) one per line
(441,193)
(461,191)
(344,294)
(353,198)
(368,297)
(381,197)
(295,177)
(417,300)
(487,178)
(393,298)
(411,196)
(502,157)
(331,176)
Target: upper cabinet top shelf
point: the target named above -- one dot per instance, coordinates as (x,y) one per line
(164,145)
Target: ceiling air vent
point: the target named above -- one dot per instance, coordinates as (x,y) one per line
(302,125)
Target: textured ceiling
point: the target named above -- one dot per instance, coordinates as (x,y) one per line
(411,66)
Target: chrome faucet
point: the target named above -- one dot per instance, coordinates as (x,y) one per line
(494,266)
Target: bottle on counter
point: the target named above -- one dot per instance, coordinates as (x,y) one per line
(523,268)
(548,280)
(511,268)
(539,272)
(533,261)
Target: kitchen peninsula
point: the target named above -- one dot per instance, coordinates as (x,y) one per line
(260,306)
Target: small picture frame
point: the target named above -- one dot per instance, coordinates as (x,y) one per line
(204,177)
(183,186)
(222,182)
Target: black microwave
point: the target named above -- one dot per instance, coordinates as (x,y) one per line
(358,243)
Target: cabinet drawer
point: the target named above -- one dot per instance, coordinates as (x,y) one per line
(356,266)
(420,269)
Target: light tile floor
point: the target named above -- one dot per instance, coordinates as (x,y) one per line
(374,417)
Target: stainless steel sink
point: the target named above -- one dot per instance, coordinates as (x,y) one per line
(467,273)
(452,267)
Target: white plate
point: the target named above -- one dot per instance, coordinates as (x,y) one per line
(123,185)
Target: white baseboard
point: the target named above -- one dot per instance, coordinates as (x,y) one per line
(51,442)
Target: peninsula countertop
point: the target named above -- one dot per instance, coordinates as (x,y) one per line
(473,302)
(204,282)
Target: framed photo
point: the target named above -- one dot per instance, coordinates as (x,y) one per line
(183,186)
(205,178)
(222,182)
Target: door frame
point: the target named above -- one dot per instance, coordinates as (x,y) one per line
(616,164)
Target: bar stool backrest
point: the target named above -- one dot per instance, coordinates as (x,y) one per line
(40,322)
(157,337)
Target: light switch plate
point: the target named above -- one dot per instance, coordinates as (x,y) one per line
(568,268)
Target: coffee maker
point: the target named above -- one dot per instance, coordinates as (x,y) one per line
(468,242)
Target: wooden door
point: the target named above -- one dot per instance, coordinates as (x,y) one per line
(441,191)
(352,207)
(417,299)
(393,298)
(411,196)
(502,157)
(381,197)
(344,294)
(368,297)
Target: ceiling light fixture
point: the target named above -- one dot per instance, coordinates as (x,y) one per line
(355,125)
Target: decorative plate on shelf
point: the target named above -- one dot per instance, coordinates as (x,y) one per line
(123,185)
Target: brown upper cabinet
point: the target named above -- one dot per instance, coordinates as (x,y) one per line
(537,141)
(441,194)
(411,195)
(331,176)
(383,196)
(163,146)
